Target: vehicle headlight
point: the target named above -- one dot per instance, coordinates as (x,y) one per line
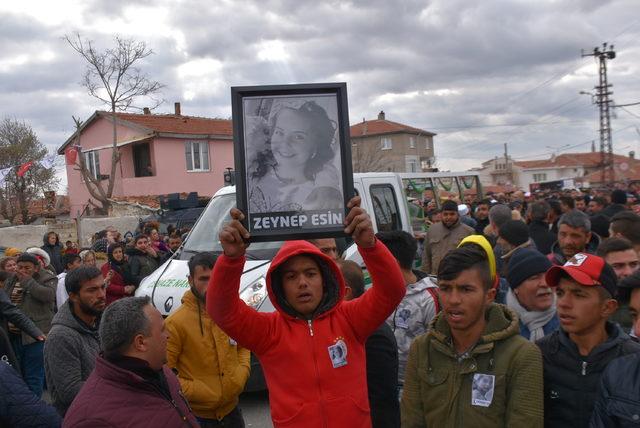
(255,293)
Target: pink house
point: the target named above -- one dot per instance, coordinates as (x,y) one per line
(160,154)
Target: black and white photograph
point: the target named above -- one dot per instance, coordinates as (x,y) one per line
(482,389)
(292,162)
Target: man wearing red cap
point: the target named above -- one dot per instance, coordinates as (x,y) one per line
(575,356)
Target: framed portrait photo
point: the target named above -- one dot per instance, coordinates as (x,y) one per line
(292,159)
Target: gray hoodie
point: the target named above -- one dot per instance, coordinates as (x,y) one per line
(69,356)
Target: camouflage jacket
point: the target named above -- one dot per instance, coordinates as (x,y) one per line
(411,319)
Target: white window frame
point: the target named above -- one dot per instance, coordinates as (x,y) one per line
(412,142)
(540,177)
(92,163)
(427,146)
(386,143)
(199,156)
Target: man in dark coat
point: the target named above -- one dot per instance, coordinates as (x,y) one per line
(143,259)
(19,407)
(576,355)
(131,384)
(53,247)
(382,358)
(537,215)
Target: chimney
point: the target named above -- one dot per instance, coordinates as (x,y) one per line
(146,110)
(593,146)
(177,108)
(381,115)
(632,154)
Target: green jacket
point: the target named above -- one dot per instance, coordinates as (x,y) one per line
(438,386)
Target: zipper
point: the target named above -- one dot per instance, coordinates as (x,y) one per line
(584,368)
(315,365)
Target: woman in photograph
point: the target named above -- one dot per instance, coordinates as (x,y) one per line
(295,171)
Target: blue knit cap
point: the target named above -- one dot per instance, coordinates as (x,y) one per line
(525,263)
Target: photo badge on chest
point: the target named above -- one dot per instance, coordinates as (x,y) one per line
(482,389)
(338,354)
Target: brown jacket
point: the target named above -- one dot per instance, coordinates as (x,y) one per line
(439,241)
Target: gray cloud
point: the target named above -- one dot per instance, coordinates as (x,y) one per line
(457,67)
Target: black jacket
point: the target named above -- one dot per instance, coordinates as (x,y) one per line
(480,225)
(382,378)
(141,265)
(618,402)
(613,209)
(571,380)
(55,253)
(19,407)
(542,236)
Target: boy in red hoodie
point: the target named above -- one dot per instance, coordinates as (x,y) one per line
(312,348)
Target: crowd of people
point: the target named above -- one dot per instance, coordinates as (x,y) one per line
(523,311)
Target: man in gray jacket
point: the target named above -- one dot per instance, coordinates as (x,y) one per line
(33,290)
(73,343)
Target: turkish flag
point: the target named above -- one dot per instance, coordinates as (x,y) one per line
(24,168)
(70,155)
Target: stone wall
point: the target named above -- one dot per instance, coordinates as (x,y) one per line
(27,236)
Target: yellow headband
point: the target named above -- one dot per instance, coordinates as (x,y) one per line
(484,244)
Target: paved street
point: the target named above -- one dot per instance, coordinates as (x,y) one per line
(255,408)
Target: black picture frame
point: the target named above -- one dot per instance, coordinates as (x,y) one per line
(273,126)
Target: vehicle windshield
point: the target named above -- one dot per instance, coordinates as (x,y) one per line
(204,235)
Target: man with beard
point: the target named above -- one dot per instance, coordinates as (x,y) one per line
(576,355)
(574,236)
(482,216)
(196,344)
(73,342)
(443,237)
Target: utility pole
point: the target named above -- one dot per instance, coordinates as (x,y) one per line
(601,98)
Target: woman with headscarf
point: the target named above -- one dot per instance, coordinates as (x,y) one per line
(115,273)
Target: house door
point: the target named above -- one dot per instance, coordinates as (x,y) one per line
(142,160)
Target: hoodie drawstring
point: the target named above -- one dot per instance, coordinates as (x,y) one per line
(200,317)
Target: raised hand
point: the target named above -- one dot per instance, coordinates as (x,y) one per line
(359,225)
(233,235)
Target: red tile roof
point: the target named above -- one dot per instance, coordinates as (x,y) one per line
(587,160)
(382,126)
(175,124)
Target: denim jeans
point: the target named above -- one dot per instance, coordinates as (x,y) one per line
(31,360)
(233,420)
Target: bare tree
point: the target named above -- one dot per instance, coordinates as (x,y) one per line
(112,76)
(19,145)
(367,158)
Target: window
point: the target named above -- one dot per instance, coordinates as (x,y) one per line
(385,208)
(386,143)
(92,163)
(413,166)
(197,155)
(427,144)
(412,142)
(537,178)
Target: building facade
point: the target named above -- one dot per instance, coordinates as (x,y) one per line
(384,145)
(159,154)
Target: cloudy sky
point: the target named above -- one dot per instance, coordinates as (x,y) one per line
(480,74)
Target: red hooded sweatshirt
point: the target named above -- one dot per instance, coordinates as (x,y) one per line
(315,369)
